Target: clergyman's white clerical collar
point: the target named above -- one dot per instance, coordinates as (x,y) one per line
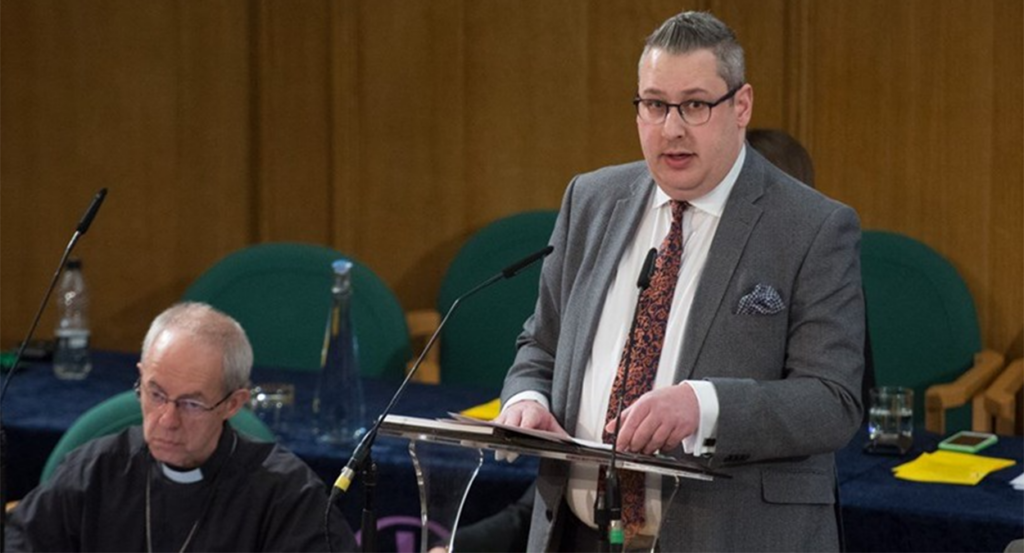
(182,477)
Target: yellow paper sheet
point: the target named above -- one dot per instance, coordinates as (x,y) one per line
(950,467)
(485,411)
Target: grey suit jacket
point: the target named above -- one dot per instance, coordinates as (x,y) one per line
(788,383)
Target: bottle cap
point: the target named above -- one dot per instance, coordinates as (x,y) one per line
(342,266)
(74,263)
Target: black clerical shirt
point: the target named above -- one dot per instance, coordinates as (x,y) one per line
(249,496)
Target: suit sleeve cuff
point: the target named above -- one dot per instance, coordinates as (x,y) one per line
(702,441)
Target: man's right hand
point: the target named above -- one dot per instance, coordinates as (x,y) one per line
(530,414)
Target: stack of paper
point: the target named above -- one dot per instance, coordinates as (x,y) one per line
(949,467)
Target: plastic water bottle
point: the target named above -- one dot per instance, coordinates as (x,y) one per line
(71,357)
(339,408)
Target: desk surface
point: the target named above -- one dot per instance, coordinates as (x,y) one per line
(880,512)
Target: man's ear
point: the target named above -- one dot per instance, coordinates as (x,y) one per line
(744,105)
(239,398)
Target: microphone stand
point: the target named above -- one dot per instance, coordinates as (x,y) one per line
(83,227)
(361,455)
(369,518)
(609,508)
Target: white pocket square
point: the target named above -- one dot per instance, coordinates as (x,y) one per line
(762,300)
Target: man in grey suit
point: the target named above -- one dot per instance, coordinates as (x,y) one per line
(757,365)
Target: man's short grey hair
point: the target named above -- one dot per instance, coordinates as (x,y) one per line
(691,31)
(213,328)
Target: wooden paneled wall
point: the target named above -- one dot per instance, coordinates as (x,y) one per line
(392,130)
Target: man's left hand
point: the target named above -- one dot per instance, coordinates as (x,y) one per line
(659,419)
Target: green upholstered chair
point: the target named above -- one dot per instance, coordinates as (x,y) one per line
(281,295)
(123,410)
(924,329)
(478,343)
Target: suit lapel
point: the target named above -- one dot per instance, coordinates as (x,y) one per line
(738,221)
(618,232)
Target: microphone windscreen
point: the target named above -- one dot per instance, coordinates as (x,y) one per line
(90,214)
(513,269)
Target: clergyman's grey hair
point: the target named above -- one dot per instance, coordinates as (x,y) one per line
(213,328)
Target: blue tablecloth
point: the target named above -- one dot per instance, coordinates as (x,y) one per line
(883,513)
(880,512)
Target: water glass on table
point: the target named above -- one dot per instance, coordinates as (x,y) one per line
(891,420)
(274,403)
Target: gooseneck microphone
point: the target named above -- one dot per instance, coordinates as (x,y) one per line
(83,227)
(362,450)
(613,496)
(510,271)
(90,214)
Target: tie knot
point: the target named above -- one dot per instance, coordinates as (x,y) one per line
(678,208)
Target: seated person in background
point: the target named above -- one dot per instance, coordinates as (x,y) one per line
(784,152)
(185,480)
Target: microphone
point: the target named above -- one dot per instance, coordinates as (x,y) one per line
(647,270)
(90,214)
(83,226)
(613,498)
(362,450)
(513,269)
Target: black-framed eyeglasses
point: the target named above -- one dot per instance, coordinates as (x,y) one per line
(693,112)
(186,407)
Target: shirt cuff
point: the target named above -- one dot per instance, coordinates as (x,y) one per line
(702,441)
(535,396)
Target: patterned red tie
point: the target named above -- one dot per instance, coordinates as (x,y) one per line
(652,318)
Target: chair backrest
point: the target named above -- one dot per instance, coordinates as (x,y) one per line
(121,411)
(478,343)
(281,295)
(921,317)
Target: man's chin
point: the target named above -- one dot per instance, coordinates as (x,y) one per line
(674,181)
(168,455)
(683,191)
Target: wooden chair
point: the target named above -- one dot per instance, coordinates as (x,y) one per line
(1000,408)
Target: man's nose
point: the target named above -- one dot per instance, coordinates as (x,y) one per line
(170,417)
(673,126)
